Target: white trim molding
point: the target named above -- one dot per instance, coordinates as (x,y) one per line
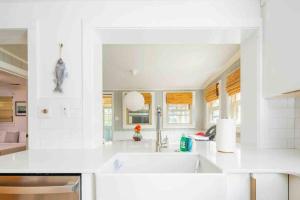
(11,69)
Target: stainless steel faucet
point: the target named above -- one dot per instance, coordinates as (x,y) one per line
(159,142)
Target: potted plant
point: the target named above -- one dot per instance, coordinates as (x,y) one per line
(137,136)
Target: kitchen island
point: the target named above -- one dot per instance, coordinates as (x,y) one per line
(239,166)
(244,160)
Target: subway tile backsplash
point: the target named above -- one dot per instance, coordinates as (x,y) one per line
(282,123)
(297,123)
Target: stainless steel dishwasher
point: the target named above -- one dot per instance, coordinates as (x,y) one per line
(40,187)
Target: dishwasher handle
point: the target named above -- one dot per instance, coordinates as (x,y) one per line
(69,188)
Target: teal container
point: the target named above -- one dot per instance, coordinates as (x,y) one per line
(184,143)
(189,144)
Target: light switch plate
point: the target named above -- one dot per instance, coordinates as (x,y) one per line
(65,110)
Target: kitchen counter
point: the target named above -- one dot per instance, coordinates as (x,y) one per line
(244,160)
(68,160)
(252,160)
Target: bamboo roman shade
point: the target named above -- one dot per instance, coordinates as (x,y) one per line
(233,82)
(6,109)
(211,93)
(179,98)
(107,100)
(147,97)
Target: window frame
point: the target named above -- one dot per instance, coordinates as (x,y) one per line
(192,109)
(112,107)
(210,111)
(230,108)
(152,112)
(13,112)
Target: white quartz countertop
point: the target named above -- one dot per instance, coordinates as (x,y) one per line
(253,160)
(68,160)
(244,160)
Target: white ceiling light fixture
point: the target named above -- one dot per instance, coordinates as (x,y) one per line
(134,101)
(134,72)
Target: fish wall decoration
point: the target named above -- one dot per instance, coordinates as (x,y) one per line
(60,72)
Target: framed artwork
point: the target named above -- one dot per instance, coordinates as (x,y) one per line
(20,108)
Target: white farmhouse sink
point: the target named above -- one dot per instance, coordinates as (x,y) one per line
(159,163)
(160,176)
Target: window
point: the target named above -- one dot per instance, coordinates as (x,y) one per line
(233,88)
(142,116)
(107,117)
(178,109)
(107,110)
(213,108)
(235,108)
(6,109)
(145,116)
(179,113)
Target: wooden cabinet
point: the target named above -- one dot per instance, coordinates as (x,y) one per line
(294,187)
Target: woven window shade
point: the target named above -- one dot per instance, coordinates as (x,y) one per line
(233,82)
(179,98)
(211,93)
(6,109)
(107,101)
(147,97)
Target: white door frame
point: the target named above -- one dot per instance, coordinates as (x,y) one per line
(32,78)
(92,73)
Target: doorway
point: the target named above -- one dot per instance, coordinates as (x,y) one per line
(95,37)
(13,90)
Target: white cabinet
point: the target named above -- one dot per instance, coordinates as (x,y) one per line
(270,187)
(281,46)
(88,186)
(238,187)
(294,187)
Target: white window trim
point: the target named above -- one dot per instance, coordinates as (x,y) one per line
(208,122)
(144,126)
(193,115)
(238,126)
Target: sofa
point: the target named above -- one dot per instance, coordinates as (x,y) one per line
(12,141)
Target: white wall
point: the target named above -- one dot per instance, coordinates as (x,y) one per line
(62,22)
(18,93)
(250,89)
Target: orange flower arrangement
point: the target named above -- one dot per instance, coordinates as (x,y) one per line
(137,128)
(137,133)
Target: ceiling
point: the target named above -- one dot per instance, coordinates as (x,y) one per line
(7,79)
(13,36)
(13,55)
(170,36)
(162,66)
(19,50)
